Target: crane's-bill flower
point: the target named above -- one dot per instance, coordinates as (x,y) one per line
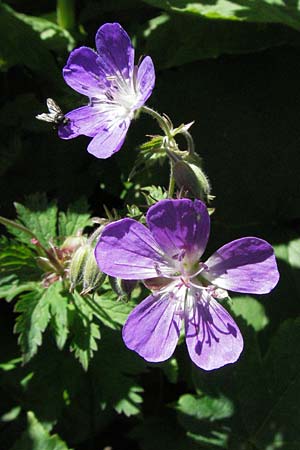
(166,256)
(115,88)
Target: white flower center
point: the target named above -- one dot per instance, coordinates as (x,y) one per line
(121,95)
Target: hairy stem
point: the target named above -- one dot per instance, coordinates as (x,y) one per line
(171,188)
(190,141)
(158,117)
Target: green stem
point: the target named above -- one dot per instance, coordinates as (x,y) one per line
(190,141)
(171,188)
(65,12)
(158,117)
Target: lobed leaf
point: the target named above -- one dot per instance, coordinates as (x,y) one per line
(75,219)
(33,319)
(37,437)
(39,217)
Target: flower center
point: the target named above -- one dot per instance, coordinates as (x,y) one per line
(121,93)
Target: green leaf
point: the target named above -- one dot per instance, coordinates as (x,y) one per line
(251,310)
(289,253)
(268,11)
(36,437)
(188,38)
(75,219)
(204,408)
(84,332)
(39,216)
(59,314)
(55,38)
(130,405)
(110,311)
(115,367)
(197,415)
(34,316)
(32,53)
(11,287)
(154,194)
(280,427)
(18,259)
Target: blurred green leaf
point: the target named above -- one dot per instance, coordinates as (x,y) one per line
(115,367)
(204,408)
(198,414)
(189,38)
(280,427)
(23,46)
(269,11)
(36,437)
(251,310)
(55,37)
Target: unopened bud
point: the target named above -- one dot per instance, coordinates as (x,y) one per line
(189,176)
(71,243)
(92,277)
(77,264)
(45,264)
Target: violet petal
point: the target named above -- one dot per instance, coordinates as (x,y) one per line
(110,138)
(126,249)
(153,328)
(82,72)
(180,227)
(145,80)
(116,53)
(213,339)
(85,120)
(244,265)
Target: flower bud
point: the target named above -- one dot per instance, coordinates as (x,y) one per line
(71,243)
(189,176)
(77,264)
(92,277)
(44,264)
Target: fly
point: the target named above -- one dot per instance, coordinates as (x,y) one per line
(55,114)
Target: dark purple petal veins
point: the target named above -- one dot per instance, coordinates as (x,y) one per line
(212,337)
(181,228)
(115,50)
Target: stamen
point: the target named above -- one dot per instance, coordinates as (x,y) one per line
(202,267)
(199,286)
(109,95)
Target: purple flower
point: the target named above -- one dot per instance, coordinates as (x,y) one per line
(167,257)
(114,85)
